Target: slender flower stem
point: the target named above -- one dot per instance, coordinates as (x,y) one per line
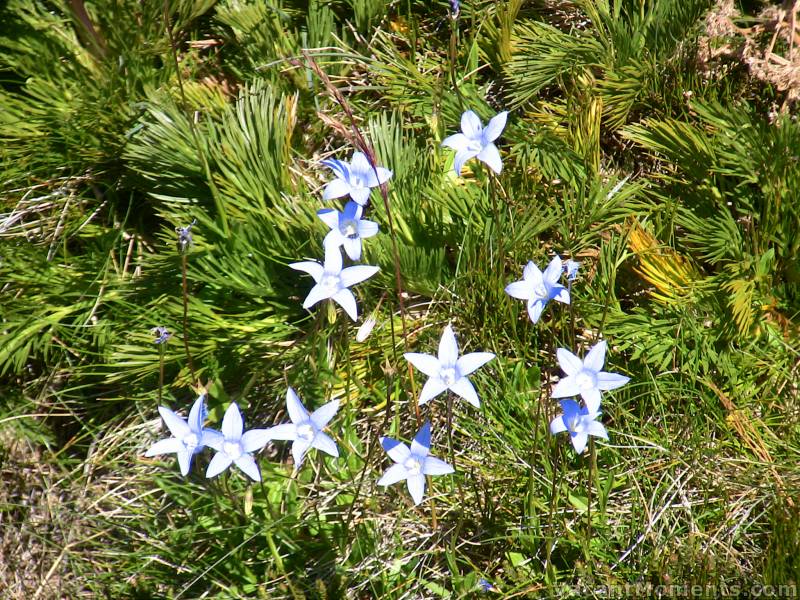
(592,468)
(497,225)
(195,138)
(160,371)
(452,57)
(184,261)
(452,452)
(553,491)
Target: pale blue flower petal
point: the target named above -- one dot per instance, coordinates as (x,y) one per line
(560,294)
(248,466)
(426,363)
(359,165)
(177,426)
(336,189)
(367,228)
(495,127)
(330,217)
(184,461)
(421,444)
(569,363)
(491,156)
(473,361)
(284,431)
(357,274)
(323,441)
(557,425)
(393,474)
(596,357)
(397,451)
(323,415)
(592,399)
(340,169)
(568,386)
(335,239)
(571,409)
(532,273)
(333,260)
(463,156)
(521,290)
(416,487)
(610,381)
(232,423)
(197,414)
(352,247)
(471,125)
(352,211)
(448,348)
(457,142)
(464,388)
(297,412)
(255,439)
(361,195)
(436,466)
(579,441)
(167,446)
(218,464)
(347,301)
(312,268)
(535,308)
(299,449)
(432,388)
(553,271)
(383,176)
(317,294)
(211,438)
(597,429)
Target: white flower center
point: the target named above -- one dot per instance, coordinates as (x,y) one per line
(575,424)
(190,440)
(330,283)
(586,380)
(232,449)
(413,465)
(540,290)
(356,182)
(448,375)
(305,431)
(349,229)
(474,146)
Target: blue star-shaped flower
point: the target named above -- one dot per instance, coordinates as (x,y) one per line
(539,288)
(579,422)
(347,228)
(584,377)
(571,269)
(355,179)
(332,281)
(449,371)
(476,142)
(188,437)
(162,334)
(235,445)
(305,430)
(413,463)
